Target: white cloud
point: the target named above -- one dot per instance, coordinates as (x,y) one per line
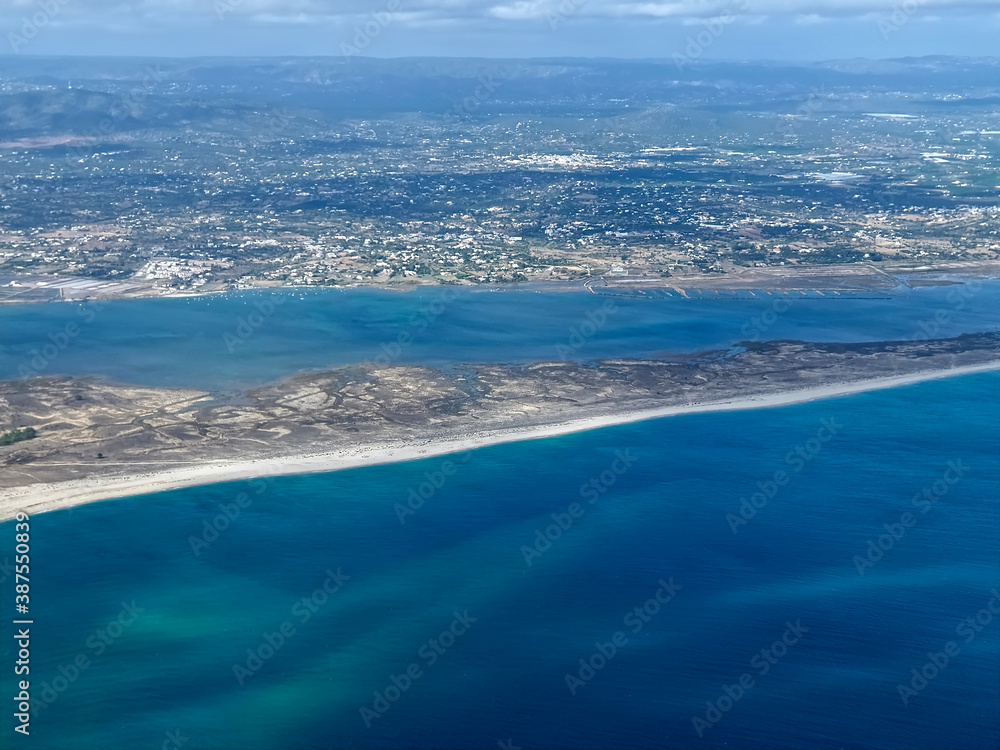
(523,9)
(496,16)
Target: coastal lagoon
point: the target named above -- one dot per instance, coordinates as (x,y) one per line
(323,616)
(234,340)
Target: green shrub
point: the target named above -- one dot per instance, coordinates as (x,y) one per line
(14,436)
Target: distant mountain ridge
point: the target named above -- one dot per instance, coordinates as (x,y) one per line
(47,96)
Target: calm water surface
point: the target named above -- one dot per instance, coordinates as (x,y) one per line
(667,515)
(245,338)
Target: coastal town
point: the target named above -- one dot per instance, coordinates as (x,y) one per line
(301,197)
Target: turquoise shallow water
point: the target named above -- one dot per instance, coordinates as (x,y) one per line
(663,515)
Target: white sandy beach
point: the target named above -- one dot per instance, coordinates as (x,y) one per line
(38,498)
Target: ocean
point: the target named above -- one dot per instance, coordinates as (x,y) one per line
(793,577)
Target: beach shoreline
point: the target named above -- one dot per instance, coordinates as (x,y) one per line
(39,498)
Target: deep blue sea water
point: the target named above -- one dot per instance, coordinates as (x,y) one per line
(216,342)
(170,670)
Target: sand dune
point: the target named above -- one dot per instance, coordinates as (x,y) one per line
(38,498)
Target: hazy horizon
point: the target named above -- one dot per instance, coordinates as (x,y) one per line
(527,58)
(800,30)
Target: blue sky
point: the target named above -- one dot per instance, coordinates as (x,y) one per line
(720,29)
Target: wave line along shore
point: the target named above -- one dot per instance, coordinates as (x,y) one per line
(37,498)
